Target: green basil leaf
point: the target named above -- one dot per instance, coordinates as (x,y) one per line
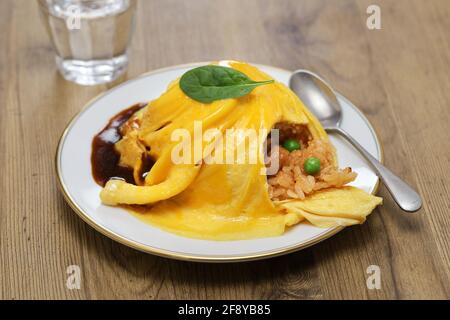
(210,83)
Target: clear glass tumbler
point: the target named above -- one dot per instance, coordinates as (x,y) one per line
(90,37)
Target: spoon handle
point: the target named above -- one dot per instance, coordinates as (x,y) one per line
(405,196)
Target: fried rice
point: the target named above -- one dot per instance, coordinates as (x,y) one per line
(291,181)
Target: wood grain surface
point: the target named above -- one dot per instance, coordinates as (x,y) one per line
(399,76)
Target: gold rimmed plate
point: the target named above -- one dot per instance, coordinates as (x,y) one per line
(73,169)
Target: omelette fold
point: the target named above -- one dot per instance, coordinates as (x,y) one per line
(231,201)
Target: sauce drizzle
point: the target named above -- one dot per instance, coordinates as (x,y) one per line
(105,158)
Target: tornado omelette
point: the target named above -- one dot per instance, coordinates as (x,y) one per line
(233,201)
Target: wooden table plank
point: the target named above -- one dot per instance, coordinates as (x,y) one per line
(398,76)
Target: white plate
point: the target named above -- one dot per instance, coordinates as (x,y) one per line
(73,168)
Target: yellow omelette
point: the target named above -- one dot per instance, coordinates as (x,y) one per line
(224,201)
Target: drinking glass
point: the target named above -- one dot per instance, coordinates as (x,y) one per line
(90,37)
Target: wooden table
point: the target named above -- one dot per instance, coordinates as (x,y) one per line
(399,76)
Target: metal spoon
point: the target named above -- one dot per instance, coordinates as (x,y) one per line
(320,98)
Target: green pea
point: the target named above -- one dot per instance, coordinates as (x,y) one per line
(291,145)
(311,165)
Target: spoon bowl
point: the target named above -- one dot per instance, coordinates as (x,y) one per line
(318,96)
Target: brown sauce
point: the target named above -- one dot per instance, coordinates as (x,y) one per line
(105,158)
